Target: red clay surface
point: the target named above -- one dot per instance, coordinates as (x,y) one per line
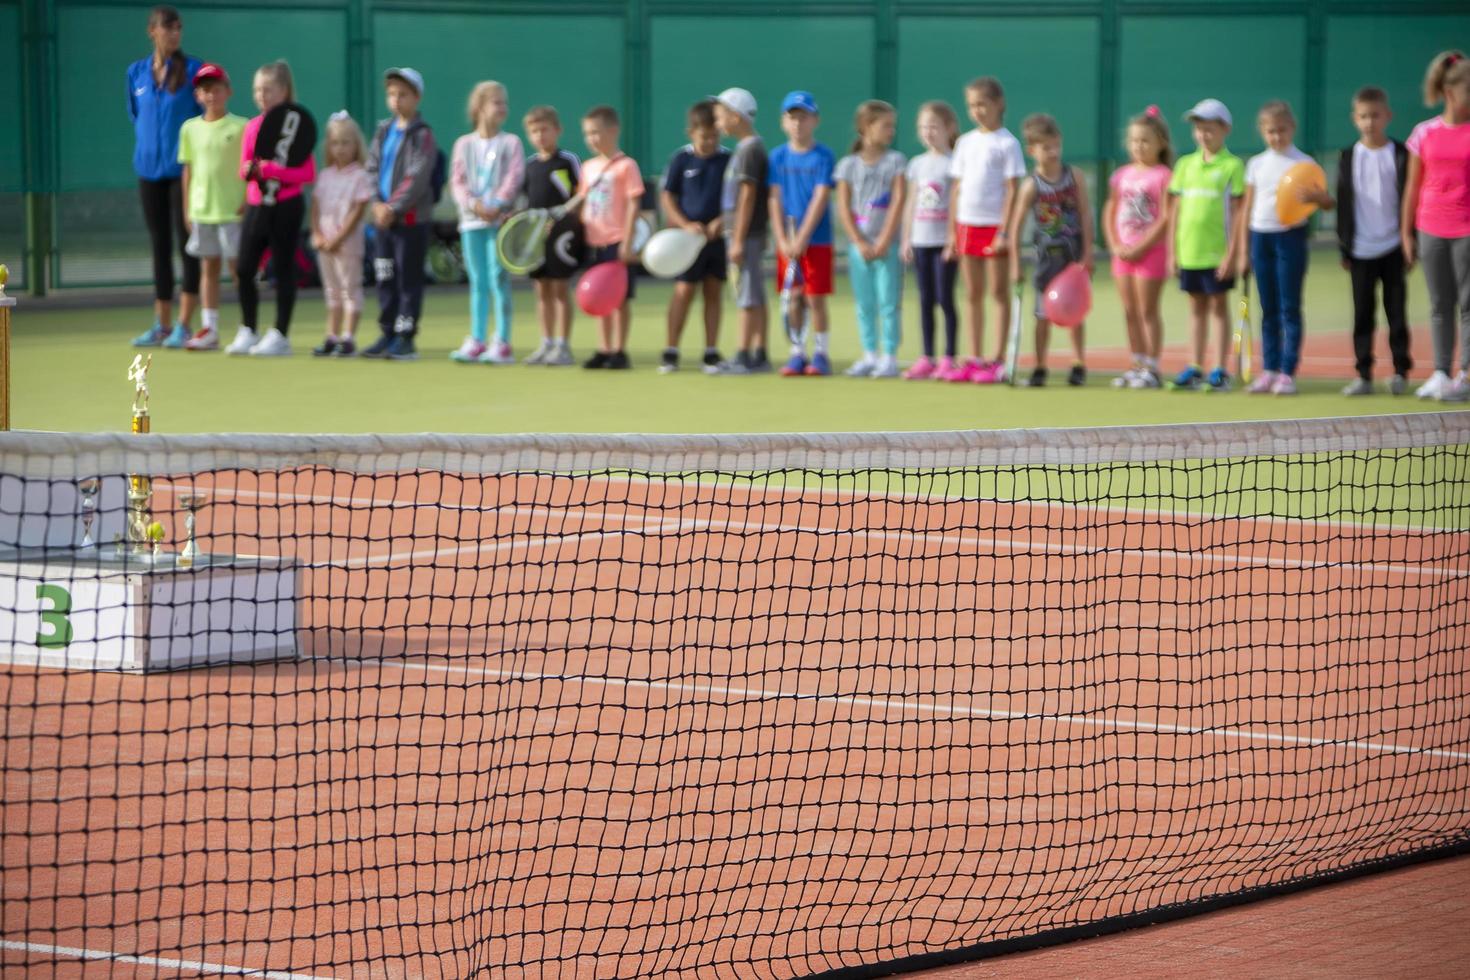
(673,729)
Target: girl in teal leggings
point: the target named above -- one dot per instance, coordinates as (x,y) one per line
(485,175)
(870,196)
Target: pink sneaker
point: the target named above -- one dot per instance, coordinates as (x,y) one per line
(1263,383)
(920,370)
(961,371)
(988,373)
(1285,384)
(942,367)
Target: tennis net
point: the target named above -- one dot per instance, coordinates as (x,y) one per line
(755,706)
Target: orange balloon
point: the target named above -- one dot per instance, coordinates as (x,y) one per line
(1290,208)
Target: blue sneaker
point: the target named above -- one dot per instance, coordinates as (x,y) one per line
(1190,379)
(819,366)
(151,337)
(176,337)
(1219,380)
(402,349)
(795,367)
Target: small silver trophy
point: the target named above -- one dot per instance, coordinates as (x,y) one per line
(89,489)
(191,502)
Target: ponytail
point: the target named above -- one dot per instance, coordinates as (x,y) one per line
(1434,76)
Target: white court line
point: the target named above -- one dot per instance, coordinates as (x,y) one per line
(798,494)
(198,966)
(700,524)
(926,707)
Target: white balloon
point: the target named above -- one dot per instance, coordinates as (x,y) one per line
(671,252)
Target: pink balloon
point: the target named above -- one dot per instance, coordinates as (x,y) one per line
(1068,296)
(603,288)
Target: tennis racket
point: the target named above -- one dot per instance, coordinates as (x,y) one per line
(287,136)
(793,304)
(521,242)
(1244,340)
(1013,342)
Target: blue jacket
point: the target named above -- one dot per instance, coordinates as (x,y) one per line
(157,116)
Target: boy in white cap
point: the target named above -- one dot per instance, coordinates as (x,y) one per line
(743,201)
(401,161)
(1206,195)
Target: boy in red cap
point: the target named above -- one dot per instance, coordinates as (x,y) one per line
(214,195)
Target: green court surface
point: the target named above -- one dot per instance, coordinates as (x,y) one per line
(70,373)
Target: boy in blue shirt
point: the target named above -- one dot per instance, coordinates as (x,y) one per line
(801,187)
(691,201)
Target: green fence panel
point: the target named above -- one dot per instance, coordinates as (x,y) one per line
(1175,61)
(454,50)
(1046,64)
(693,57)
(1358,54)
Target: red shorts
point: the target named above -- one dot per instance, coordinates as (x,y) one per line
(978,240)
(816,270)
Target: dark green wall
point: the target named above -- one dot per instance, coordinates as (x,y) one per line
(1091,63)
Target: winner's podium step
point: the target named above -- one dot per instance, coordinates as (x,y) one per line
(94,609)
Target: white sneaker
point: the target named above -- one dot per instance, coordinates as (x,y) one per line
(498,352)
(539,355)
(560,356)
(244,340)
(1125,380)
(1436,385)
(273,344)
(886,367)
(863,367)
(1457,390)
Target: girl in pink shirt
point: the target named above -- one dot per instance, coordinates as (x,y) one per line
(1135,224)
(1437,206)
(275,225)
(338,206)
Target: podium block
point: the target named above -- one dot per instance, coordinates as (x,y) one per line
(91,609)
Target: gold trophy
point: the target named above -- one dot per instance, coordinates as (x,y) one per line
(6,305)
(140,488)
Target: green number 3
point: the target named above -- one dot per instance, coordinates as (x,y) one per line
(59,634)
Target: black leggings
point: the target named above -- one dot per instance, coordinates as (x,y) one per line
(277,227)
(163,213)
(936,285)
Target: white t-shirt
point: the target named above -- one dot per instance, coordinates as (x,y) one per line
(982,163)
(1375,202)
(1264,173)
(928,177)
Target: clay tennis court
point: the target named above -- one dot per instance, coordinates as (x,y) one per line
(594,726)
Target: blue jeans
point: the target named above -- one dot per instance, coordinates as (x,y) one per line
(489,283)
(877,286)
(1280,263)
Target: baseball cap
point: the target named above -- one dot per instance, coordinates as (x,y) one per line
(406,75)
(800,100)
(210,72)
(737,100)
(1209,109)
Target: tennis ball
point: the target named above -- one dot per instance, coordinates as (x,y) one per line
(155,531)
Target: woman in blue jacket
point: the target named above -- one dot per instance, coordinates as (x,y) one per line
(160,99)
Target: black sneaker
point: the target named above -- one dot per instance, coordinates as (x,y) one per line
(401,348)
(346,348)
(712,358)
(327,348)
(598,360)
(1037,379)
(1077,377)
(379,347)
(758,362)
(668,363)
(619,361)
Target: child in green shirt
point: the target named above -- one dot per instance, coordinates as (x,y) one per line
(209,149)
(1206,195)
